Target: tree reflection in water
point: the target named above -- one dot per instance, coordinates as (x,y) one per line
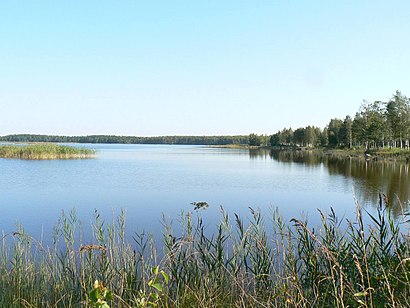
(371,178)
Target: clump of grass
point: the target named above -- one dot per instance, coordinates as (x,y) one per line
(243,263)
(44,151)
(391,153)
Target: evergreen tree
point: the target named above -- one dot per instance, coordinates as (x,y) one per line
(333,129)
(346,134)
(254,140)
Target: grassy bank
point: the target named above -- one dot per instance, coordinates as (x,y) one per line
(391,153)
(359,153)
(242,264)
(44,151)
(235,146)
(380,154)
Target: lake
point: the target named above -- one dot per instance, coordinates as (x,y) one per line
(150,180)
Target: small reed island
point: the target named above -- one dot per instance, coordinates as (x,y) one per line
(44,151)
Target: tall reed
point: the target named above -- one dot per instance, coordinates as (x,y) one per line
(242,263)
(43,151)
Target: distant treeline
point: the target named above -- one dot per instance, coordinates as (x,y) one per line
(197,140)
(375,125)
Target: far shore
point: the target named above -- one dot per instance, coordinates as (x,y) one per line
(384,154)
(45,151)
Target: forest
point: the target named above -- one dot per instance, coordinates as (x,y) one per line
(377,124)
(199,140)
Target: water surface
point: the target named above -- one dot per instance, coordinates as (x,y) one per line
(150,180)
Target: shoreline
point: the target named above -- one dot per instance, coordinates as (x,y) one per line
(370,155)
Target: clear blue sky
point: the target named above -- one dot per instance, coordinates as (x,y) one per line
(196,67)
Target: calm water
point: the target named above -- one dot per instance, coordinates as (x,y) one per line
(148,180)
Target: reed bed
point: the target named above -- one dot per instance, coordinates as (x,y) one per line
(44,151)
(244,263)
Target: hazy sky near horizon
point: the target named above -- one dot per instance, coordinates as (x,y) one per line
(196,67)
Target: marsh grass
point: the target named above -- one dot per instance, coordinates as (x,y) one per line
(244,263)
(379,154)
(391,153)
(44,151)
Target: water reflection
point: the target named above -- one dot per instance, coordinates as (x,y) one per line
(371,178)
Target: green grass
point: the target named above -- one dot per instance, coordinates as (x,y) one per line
(244,263)
(380,154)
(391,153)
(43,151)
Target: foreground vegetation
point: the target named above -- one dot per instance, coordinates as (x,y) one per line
(44,151)
(244,263)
